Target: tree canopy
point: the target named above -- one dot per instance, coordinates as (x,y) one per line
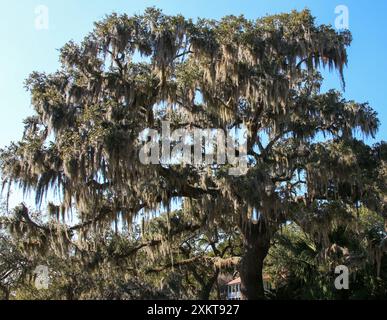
(306,161)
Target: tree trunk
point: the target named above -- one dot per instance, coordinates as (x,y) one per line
(6,293)
(256,243)
(207,285)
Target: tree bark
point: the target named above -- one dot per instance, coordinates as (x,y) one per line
(256,243)
(206,289)
(6,293)
(206,285)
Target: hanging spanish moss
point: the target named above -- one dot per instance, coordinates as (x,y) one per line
(132,73)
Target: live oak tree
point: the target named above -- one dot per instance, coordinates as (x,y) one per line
(172,259)
(132,73)
(15,267)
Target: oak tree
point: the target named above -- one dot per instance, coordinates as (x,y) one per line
(133,73)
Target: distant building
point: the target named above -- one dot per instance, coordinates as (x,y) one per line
(234,287)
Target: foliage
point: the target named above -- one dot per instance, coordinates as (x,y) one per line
(133,73)
(305,270)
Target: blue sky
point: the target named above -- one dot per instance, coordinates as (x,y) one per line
(26,49)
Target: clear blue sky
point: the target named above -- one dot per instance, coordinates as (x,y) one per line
(26,49)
